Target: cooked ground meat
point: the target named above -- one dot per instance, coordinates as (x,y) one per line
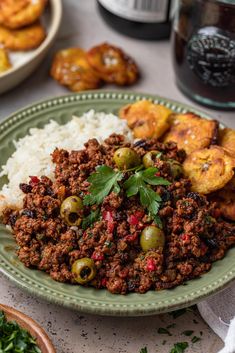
(195,233)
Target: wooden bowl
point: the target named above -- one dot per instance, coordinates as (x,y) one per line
(43,341)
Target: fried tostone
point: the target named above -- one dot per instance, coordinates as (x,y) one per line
(191,132)
(4,61)
(209,169)
(146,119)
(22,39)
(15,14)
(227,140)
(71,68)
(113,65)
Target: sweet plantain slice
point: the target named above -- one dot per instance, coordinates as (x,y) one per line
(113,65)
(4,61)
(227,140)
(22,39)
(209,169)
(225,200)
(191,132)
(146,119)
(71,68)
(15,14)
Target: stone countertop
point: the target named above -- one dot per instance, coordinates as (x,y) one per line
(70,331)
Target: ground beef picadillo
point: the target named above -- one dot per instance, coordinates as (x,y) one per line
(195,233)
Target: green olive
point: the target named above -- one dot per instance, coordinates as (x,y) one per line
(71,210)
(176,168)
(152,238)
(126,158)
(84,270)
(149,158)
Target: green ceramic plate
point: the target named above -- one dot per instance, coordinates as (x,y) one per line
(88,299)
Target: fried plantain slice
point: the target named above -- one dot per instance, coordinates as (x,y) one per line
(209,169)
(113,65)
(16,14)
(146,119)
(227,140)
(4,61)
(225,200)
(22,39)
(71,68)
(191,132)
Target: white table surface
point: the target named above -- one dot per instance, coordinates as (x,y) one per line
(73,332)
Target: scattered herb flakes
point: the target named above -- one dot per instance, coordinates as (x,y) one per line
(179,347)
(103,181)
(177,313)
(14,339)
(195,339)
(164,342)
(164,331)
(195,321)
(171,326)
(187,333)
(201,333)
(144,350)
(90,219)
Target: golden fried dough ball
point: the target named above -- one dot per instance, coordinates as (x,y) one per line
(209,169)
(191,132)
(22,39)
(227,140)
(146,119)
(15,14)
(4,61)
(113,65)
(71,68)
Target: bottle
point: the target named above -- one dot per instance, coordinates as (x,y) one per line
(203,44)
(142,19)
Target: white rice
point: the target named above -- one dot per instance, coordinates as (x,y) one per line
(32,155)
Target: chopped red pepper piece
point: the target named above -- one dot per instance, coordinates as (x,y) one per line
(151,266)
(97,256)
(131,237)
(104,282)
(158,174)
(185,238)
(34,180)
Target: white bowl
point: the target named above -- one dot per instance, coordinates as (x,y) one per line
(15,75)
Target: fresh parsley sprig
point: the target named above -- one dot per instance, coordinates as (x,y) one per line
(103,181)
(140,183)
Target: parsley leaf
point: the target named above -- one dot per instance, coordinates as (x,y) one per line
(144,350)
(103,181)
(139,183)
(187,333)
(179,347)
(90,219)
(164,331)
(195,339)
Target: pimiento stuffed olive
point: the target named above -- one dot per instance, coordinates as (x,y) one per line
(126,158)
(84,270)
(149,158)
(152,237)
(71,210)
(176,168)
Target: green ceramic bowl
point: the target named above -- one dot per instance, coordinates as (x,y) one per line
(91,300)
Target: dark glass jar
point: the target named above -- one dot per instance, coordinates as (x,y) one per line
(204,51)
(142,19)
